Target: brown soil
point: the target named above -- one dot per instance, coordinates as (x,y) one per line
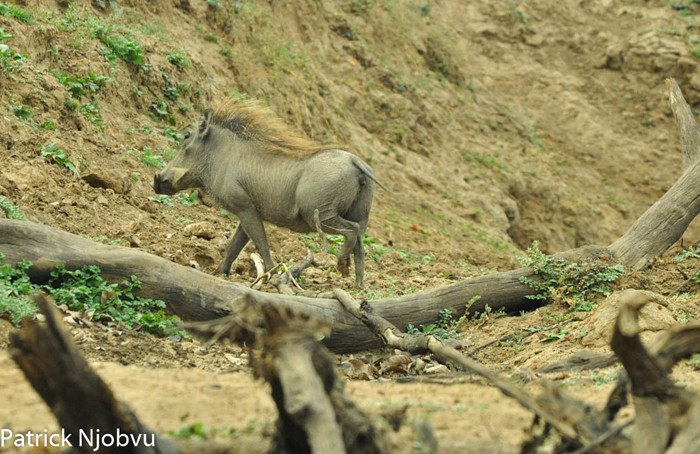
(494,124)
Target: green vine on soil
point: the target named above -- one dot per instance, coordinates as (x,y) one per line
(576,284)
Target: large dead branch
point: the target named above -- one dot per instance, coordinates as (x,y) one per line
(83,404)
(193,295)
(665,222)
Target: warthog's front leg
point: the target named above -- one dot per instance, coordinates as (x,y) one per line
(235,246)
(253,226)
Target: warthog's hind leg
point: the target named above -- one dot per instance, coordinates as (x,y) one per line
(350,230)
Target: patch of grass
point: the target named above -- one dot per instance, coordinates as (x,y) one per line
(414,259)
(48,125)
(16,13)
(374,247)
(57,156)
(211,38)
(11,210)
(179,59)
(22,112)
(190,431)
(576,284)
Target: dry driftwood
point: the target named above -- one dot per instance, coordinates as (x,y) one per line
(667,416)
(581,426)
(83,404)
(193,295)
(315,416)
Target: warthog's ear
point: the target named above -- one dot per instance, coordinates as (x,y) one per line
(204,121)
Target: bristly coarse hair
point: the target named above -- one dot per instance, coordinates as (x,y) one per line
(252,121)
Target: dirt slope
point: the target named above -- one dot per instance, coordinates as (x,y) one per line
(493,123)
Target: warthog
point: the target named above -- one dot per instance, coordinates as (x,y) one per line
(255,167)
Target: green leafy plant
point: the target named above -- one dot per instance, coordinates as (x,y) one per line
(443,328)
(85,290)
(188,199)
(161,111)
(11,210)
(119,46)
(58,156)
(162,198)
(148,157)
(576,284)
(80,86)
(92,113)
(173,134)
(15,291)
(8,57)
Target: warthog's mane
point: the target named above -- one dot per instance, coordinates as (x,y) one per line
(251,121)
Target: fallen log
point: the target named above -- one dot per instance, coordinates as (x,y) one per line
(196,296)
(193,295)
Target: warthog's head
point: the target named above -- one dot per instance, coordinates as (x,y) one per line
(185,170)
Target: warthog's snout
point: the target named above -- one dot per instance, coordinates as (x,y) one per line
(162,185)
(168,181)
(156,183)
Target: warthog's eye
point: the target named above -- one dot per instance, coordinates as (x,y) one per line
(186,135)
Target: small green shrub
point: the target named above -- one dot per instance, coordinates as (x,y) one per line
(11,210)
(79,86)
(173,134)
(119,46)
(15,12)
(86,291)
(58,156)
(92,113)
(443,328)
(576,284)
(152,159)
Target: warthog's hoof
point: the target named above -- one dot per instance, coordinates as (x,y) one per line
(222,270)
(344,267)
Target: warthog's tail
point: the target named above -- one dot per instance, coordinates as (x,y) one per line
(367,170)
